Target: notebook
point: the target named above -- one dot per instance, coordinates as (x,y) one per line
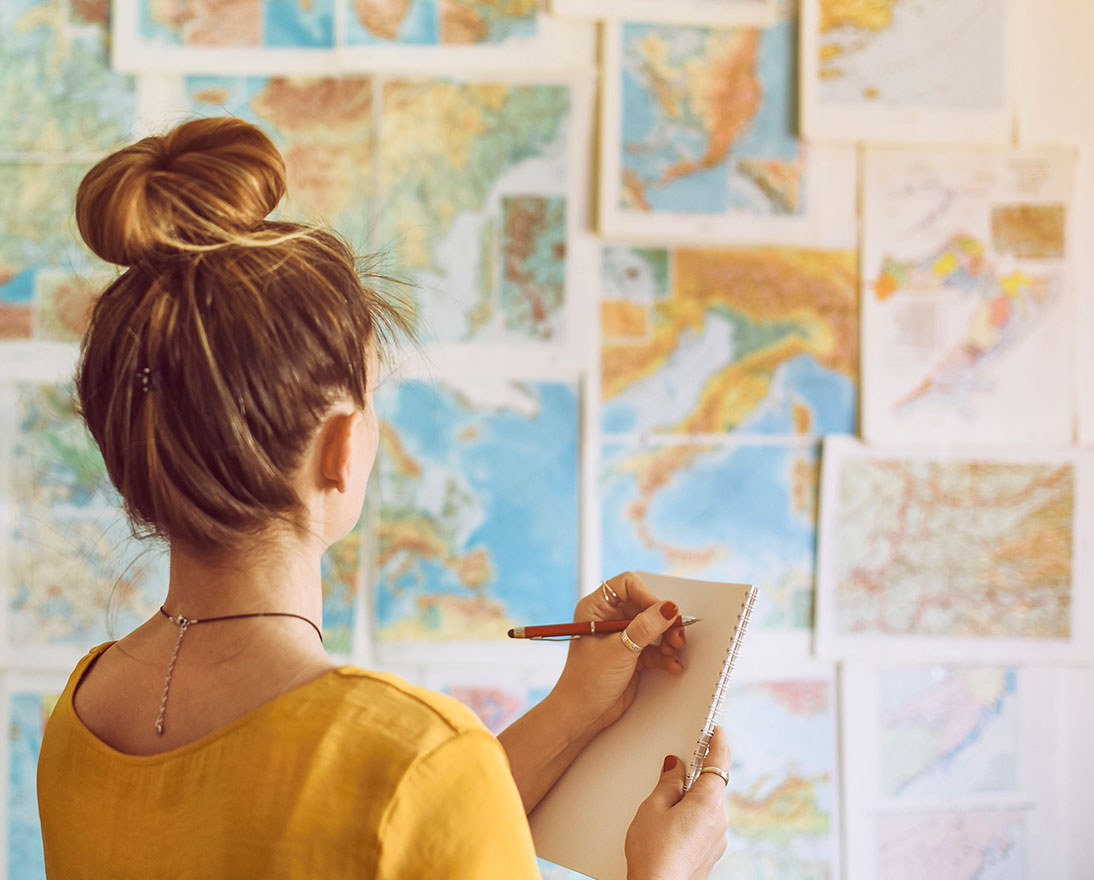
(582,822)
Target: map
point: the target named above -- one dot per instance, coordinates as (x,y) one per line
(473,210)
(783,788)
(953,846)
(77,575)
(261,23)
(706,122)
(28,714)
(966,297)
(742,513)
(757,340)
(46,274)
(478,530)
(939,547)
(497,704)
(444,22)
(59,94)
(473,182)
(947,732)
(934,68)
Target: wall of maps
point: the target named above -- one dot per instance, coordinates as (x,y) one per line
(733,289)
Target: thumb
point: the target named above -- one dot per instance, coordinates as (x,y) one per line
(670,787)
(652,622)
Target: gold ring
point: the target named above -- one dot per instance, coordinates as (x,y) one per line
(719,771)
(631,645)
(610,595)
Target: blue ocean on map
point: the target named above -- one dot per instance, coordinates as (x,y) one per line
(652,143)
(729,514)
(25,858)
(507,479)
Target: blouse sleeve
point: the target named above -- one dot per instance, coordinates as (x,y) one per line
(457,814)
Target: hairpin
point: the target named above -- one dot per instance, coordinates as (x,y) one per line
(147,379)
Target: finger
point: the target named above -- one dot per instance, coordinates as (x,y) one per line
(718,755)
(649,625)
(670,786)
(632,590)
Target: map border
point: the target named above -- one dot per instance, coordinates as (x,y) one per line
(746,13)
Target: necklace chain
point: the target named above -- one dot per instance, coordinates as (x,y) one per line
(184,623)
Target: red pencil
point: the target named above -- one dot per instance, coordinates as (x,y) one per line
(581,628)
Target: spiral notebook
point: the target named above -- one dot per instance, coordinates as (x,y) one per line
(582,821)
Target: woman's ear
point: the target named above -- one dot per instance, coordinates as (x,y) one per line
(337,444)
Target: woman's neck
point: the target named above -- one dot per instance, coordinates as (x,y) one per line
(281,576)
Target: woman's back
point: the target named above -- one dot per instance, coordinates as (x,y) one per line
(353,774)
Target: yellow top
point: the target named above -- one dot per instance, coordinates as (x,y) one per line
(356,774)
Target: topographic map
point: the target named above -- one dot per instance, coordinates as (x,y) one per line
(946,732)
(943,53)
(953,548)
(706,120)
(478,508)
(262,23)
(924,67)
(783,789)
(445,22)
(760,340)
(742,513)
(57,80)
(471,177)
(966,297)
(75,574)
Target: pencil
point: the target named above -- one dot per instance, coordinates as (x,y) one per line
(581,628)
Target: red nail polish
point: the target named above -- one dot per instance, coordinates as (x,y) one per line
(669,610)
(670,762)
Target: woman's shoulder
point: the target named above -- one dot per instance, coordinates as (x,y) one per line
(388,707)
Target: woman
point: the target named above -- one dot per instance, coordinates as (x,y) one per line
(227,377)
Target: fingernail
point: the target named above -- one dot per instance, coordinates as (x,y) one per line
(670,762)
(669,610)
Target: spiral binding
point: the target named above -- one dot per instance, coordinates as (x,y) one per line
(702,745)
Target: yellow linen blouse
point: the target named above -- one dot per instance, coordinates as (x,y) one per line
(356,774)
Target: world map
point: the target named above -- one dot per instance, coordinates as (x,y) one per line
(478,508)
(706,120)
(440,22)
(948,731)
(933,53)
(742,513)
(260,23)
(471,181)
(939,548)
(782,794)
(59,94)
(758,340)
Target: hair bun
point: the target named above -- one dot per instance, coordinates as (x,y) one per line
(206,183)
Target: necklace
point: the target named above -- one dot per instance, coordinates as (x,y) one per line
(184,623)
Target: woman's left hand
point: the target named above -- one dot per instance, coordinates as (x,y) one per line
(601,673)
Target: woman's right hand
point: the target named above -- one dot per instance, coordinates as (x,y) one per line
(678,836)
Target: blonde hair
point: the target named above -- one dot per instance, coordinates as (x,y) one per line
(209,364)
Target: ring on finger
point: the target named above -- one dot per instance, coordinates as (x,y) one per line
(632,646)
(610,595)
(722,774)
